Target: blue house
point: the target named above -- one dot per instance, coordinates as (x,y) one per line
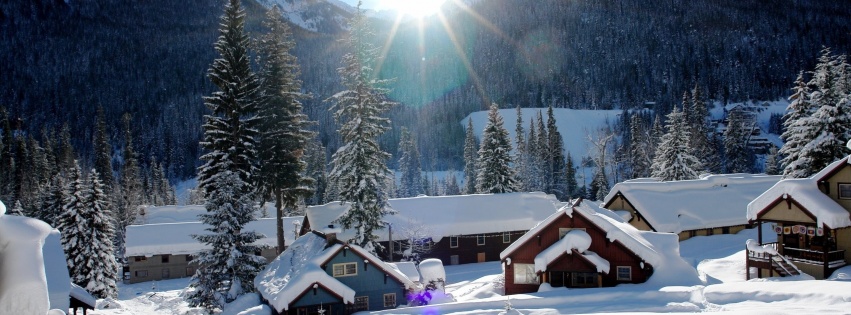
(317,271)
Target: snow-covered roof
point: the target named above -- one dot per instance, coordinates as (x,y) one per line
(574,240)
(662,250)
(805,192)
(709,202)
(452,215)
(176,238)
(82,295)
(298,269)
(407,268)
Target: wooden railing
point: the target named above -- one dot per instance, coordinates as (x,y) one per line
(813,255)
(760,255)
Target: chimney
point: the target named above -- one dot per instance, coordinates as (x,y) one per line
(330,234)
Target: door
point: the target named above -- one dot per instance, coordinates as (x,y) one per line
(557,278)
(481,257)
(453,260)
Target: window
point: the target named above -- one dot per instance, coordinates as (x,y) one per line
(165,258)
(624,273)
(345,269)
(166,273)
(506,237)
(189,257)
(525,274)
(583,279)
(480,239)
(361,304)
(563,231)
(453,242)
(844,191)
(725,230)
(141,273)
(390,300)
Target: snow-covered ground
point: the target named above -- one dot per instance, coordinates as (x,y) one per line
(477,290)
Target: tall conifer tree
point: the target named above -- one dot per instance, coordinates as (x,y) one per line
(471,149)
(495,173)
(674,158)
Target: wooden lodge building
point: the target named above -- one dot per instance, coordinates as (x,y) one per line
(812,220)
(583,246)
(319,274)
(455,229)
(714,204)
(166,250)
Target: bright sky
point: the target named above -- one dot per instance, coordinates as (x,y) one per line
(410,7)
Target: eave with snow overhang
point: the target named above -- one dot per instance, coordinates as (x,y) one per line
(165,251)
(583,245)
(462,229)
(812,221)
(304,278)
(714,204)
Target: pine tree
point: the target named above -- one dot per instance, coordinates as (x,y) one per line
(75,228)
(542,157)
(316,163)
(495,173)
(471,149)
(555,144)
(359,168)
(831,123)
(534,181)
(570,177)
(283,134)
(738,157)
(130,195)
(700,129)
(99,255)
(103,152)
(410,184)
(674,159)
(230,132)
(772,163)
(65,154)
(17,209)
(520,153)
(639,155)
(451,187)
(797,134)
(227,269)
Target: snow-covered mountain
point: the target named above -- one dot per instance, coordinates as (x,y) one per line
(322,16)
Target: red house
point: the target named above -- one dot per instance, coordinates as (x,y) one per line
(582,246)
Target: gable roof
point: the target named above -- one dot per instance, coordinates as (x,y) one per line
(661,250)
(805,192)
(708,202)
(176,238)
(299,268)
(452,215)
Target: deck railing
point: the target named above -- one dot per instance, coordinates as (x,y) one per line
(802,254)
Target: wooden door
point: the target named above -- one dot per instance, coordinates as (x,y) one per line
(481,257)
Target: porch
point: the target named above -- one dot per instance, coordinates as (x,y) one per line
(799,248)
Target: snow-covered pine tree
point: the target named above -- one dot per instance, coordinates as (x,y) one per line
(410,184)
(52,200)
(797,134)
(103,152)
(831,123)
(227,269)
(520,153)
(129,197)
(359,168)
(555,145)
(639,155)
(495,173)
(542,162)
(699,123)
(570,177)
(772,163)
(674,159)
(471,149)
(75,228)
(316,163)
(99,256)
(451,186)
(283,127)
(738,157)
(230,133)
(534,182)
(17,209)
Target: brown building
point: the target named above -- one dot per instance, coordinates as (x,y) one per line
(584,246)
(812,221)
(713,204)
(455,229)
(165,251)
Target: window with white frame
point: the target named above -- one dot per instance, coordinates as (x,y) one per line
(361,303)
(624,273)
(844,191)
(345,269)
(506,237)
(480,239)
(390,300)
(453,242)
(525,274)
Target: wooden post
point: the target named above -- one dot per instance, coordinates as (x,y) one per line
(759,231)
(826,250)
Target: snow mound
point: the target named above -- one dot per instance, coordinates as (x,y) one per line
(81,294)
(23,283)
(247,304)
(574,240)
(841,274)
(56,271)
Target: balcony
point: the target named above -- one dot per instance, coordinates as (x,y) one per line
(834,258)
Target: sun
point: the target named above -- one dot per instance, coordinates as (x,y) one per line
(413,8)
